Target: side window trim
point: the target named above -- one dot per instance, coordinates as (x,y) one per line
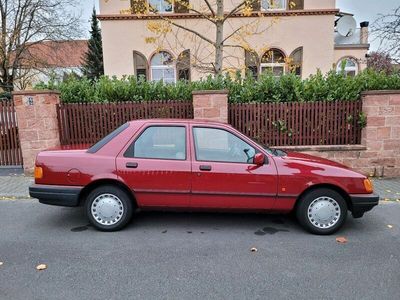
(129,152)
(218,128)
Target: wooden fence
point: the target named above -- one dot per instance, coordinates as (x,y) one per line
(294,123)
(89,122)
(274,124)
(10,150)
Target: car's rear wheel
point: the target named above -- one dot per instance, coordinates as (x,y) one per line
(109,208)
(322,211)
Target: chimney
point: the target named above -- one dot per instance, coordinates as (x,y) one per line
(364,32)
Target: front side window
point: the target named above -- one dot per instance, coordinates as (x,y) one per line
(273,61)
(160,142)
(212,144)
(348,66)
(163,68)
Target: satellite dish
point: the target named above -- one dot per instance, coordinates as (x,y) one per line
(346,25)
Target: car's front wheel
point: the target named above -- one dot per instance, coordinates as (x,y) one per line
(322,211)
(109,208)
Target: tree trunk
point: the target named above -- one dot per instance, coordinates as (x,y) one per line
(219,47)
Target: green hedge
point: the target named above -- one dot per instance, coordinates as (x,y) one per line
(267,88)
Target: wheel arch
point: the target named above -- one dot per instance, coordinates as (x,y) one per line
(91,186)
(333,187)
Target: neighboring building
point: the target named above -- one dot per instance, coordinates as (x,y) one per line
(50,59)
(303,35)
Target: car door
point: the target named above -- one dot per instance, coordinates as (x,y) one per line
(223,175)
(156,166)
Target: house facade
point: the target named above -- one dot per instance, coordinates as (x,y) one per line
(278,36)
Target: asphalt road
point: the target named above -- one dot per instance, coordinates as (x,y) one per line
(195,256)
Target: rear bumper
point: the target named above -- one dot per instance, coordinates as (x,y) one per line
(362,203)
(56,194)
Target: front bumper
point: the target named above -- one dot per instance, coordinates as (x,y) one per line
(56,194)
(362,203)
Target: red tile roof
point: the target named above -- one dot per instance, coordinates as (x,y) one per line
(63,54)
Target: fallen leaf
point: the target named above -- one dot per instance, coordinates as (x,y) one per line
(386,199)
(1,263)
(390,226)
(253,249)
(389,191)
(341,240)
(41,267)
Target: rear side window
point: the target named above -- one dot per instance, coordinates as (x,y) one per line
(160,142)
(100,144)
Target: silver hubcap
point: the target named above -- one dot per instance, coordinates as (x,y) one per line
(107,209)
(324,212)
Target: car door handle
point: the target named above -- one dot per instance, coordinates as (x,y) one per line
(131,165)
(205,168)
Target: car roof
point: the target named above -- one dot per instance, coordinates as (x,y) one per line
(174,121)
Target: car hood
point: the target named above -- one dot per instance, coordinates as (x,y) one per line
(313,159)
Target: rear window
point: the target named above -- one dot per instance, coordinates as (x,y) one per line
(100,144)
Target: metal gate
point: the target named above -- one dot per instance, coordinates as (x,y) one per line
(10,149)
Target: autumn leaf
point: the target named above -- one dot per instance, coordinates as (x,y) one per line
(341,240)
(41,267)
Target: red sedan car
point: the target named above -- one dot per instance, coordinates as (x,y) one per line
(197,165)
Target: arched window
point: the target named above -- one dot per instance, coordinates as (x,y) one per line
(183,65)
(296,61)
(273,61)
(140,64)
(163,67)
(251,61)
(348,65)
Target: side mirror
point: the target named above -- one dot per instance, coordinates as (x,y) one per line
(259,159)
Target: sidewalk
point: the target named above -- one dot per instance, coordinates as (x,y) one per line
(17,186)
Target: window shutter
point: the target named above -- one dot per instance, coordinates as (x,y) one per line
(181,6)
(255,5)
(295,4)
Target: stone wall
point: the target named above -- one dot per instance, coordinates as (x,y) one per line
(211,105)
(37,123)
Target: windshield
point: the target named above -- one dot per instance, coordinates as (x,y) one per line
(271,151)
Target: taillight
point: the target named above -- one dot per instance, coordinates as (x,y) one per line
(368,185)
(38,172)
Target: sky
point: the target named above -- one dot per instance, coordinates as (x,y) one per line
(363,10)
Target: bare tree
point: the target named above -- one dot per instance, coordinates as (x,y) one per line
(380,62)
(387,30)
(26,23)
(227,34)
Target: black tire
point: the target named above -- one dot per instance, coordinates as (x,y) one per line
(302,210)
(116,193)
